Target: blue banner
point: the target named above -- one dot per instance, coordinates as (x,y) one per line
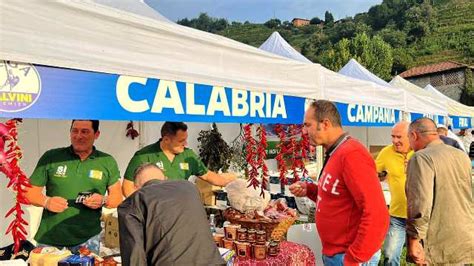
(459,122)
(366,115)
(438,119)
(28,91)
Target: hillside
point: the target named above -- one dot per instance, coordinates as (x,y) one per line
(419,32)
(453,35)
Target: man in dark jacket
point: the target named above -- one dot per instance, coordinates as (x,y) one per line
(164,223)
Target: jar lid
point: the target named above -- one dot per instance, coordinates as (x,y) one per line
(252,230)
(241,230)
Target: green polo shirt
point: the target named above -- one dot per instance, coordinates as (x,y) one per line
(64,175)
(182,167)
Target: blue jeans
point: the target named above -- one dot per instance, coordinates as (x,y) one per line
(338,260)
(394,241)
(93,244)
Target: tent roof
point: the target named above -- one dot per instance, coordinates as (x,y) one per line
(277,45)
(418,92)
(356,70)
(139,7)
(454,107)
(87,35)
(414,102)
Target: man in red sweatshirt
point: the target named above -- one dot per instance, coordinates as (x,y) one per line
(351,215)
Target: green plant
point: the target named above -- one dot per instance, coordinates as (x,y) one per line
(215,153)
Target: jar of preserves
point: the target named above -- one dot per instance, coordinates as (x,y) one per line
(241,234)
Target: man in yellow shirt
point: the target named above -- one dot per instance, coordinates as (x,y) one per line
(391,164)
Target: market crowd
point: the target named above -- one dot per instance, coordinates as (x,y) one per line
(162,221)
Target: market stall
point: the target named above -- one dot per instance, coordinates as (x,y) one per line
(93,61)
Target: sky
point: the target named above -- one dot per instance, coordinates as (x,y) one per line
(260,11)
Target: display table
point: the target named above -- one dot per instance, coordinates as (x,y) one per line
(290,254)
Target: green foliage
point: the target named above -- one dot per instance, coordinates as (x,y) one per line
(467,95)
(215,153)
(373,53)
(273,23)
(205,23)
(315,21)
(328,18)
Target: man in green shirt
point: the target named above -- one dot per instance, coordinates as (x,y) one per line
(175,160)
(76,179)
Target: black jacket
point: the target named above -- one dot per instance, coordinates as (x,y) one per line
(164,223)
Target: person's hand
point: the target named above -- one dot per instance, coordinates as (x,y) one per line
(95,201)
(416,252)
(299,189)
(56,204)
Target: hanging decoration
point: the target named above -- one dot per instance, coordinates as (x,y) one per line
(251,156)
(9,160)
(293,146)
(255,156)
(131,131)
(261,156)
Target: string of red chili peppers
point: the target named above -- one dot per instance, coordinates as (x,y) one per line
(297,151)
(261,156)
(251,156)
(18,180)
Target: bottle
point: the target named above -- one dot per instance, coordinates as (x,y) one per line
(212,223)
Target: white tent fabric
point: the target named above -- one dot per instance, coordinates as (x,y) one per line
(356,70)
(139,7)
(441,105)
(454,107)
(277,45)
(89,36)
(414,102)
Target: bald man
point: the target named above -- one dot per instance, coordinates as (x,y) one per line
(164,223)
(439,195)
(391,164)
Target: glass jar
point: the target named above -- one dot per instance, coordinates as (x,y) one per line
(273,249)
(242,234)
(251,235)
(261,237)
(260,251)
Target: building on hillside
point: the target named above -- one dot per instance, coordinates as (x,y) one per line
(299,22)
(448,77)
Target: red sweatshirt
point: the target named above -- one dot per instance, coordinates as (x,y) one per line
(351,215)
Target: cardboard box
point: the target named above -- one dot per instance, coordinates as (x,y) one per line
(111,235)
(206,191)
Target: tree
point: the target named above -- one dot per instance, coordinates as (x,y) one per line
(315,21)
(396,38)
(467,95)
(373,53)
(328,18)
(273,23)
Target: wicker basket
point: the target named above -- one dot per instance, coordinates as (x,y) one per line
(256,224)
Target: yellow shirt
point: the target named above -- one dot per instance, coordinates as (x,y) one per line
(395,163)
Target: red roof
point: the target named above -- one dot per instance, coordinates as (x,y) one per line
(433,68)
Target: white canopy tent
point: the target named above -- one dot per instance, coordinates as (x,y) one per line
(415,102)
(399,82)
(277,45)
(454,107)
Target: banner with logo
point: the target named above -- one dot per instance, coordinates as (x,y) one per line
(438,119)
(367,115)
(30,91)
(459,122)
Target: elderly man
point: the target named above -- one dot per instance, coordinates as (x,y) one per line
(440,222)
(351,215)
(76,179)
(449,139)
(164,223)
(391,164)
